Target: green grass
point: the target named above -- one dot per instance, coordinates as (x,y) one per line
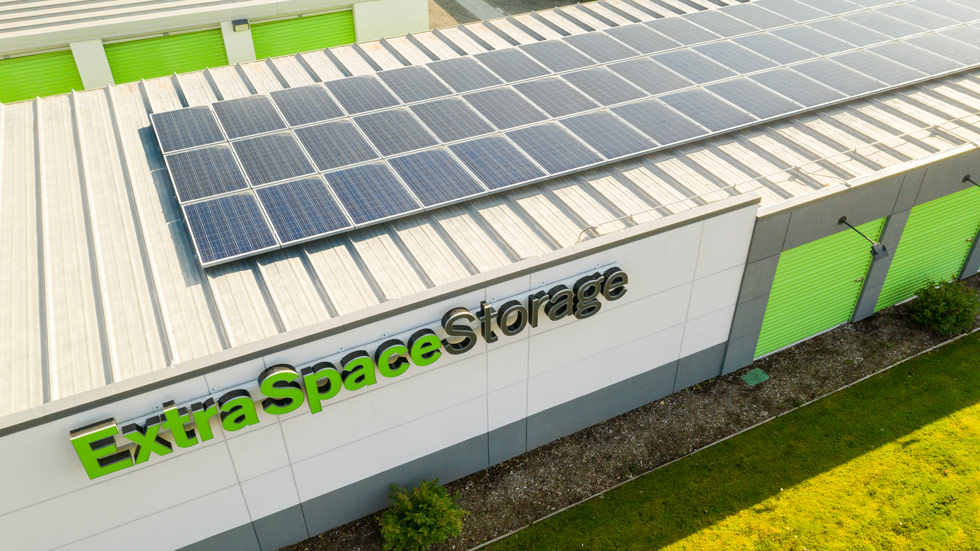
(891,463)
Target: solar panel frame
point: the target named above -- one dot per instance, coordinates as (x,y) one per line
(642,38)
(464,74)
(556,55)
(272,158)
(650,76)
(361,94)
(839,77)
(306,105)
(335,144)
(681,30)
(758,17)
(436,177)
(497,162)
(775,48)
(947,47)
(248,116)
(302,210)
(834,7)
(847,31)
(952,10)
(915,16)
(512,65)
(803,90)
(414,83)
(186,128)
(205,172)
(878,67)
(553,147)
(884,24)
(659,122)
(372,193)
(555,96)
(395,131)
(796,11)
(707,109)
(813,40)
(604,86)
(505,108)
(720,23)
(227,228)
(451,119)
(693,66)
(738,58)
(601,47)
(916,58)
(754,98)
(608,134)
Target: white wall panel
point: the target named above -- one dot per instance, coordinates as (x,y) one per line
(270,493)
(258,452)
(506,405)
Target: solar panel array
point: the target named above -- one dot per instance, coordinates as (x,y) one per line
(267,171)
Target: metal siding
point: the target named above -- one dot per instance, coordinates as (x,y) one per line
(816,287)
(934,245)
(165,55)
(38,75)
(303,34)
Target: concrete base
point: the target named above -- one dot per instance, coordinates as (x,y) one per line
(93,66)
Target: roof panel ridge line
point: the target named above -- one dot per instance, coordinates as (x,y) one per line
(627,16)
(394,52)
(367,58)
(410,37)
(581,24)
(587,9)
(209,78)
(47,383)
(283,82)
(102,314)
(240,71)
(525,29)
(465,29)
(669,7)
(644,9)
(163,325)
(267,296)
(506,37)
(364,268)
(547,23)
(337,63)
(306,67)
(413,261)
(451,245)
(445,40)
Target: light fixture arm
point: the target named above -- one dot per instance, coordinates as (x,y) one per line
(967,179)
(843,220)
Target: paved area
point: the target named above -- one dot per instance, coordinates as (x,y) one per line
(448,13)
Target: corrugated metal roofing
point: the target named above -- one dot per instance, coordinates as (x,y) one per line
(99,276)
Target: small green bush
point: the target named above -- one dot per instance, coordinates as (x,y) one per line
(948,308)
(424,516)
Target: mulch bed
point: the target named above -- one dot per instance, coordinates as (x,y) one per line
(515,493)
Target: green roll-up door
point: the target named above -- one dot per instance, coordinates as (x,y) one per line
(303,34)
(816,287)
(165,55)
(36,75)
(934,245)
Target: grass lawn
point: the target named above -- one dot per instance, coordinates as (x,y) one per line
(891,463)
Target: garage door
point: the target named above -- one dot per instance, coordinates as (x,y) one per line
(934,245)
(30,76)
(165,55)
(303,34)
(816,287)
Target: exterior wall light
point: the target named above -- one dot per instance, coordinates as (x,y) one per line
(239,25)
(878,250)
(967,179)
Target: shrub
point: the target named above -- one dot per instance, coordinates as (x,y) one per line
(421,517)
(948,308)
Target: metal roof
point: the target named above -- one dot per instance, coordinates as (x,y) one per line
(99,278)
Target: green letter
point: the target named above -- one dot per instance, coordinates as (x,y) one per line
(174,422)
(147,439)
(424,345)
(202,412)
(358,370)
(322,382)
(281,386)
(96,448)
(391,358)
(237,410)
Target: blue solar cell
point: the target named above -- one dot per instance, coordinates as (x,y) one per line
(756,16)
(949,9)
(839,77)
(755,99)
(272,158)
(813,40)
(512,65)
(607,134)
(921,18)
(200,173)
(681,30)
(306,104)
(803,90)
(228,227)
(720,23)
(302,209)
(463,74)
(414,83)
(733,56)
(659,122)
(451,119)
(878,67)
(651,76)
(947,47)
(604,86)
(916,58)
(505,108)
(496,162)
(708,110)
(248,116)
(849,32)
(693,66)
(436,177)
(602,47)
(553,147)
(371,193)
(555,96)
(642,38)
(335,144)
(360,94)
(774,48)
(395,131)
(882,23)
(557,55)
(963,37)
(185,128)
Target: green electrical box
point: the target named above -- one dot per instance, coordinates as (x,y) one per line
(303,34)
(165,55)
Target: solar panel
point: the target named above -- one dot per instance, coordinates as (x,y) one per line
(395,131)
(360,94)
(965,52)
(803,90)
(228,227)
(681,30)
(753,98)
(248,116)
(511,65)
(871,3)
(915,16)
(335,144)
(834,7)
(607,134)
(436,177)
(415,83)
(186,128)
(302,209)
(881,23)
(272,158)
(557,55)
(948,47)
(735,57)
(306,104)
(464,74)
(756,16)
(849,32)
(693,66)
(708,110)
(200,173)
(877,67)
(916,58)
(451,119)
(720,23)
(555,97)
(603,85)
(505,108)
(958,12)
(813,40)
(794,10)
(642,38)
(839,77)
(601,47)
(774,48)
(553,147)
(659,122)
(371,192)
(496,162)
(651,76)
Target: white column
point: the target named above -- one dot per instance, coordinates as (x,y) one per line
(386,18)
(92,63)
(238,46)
